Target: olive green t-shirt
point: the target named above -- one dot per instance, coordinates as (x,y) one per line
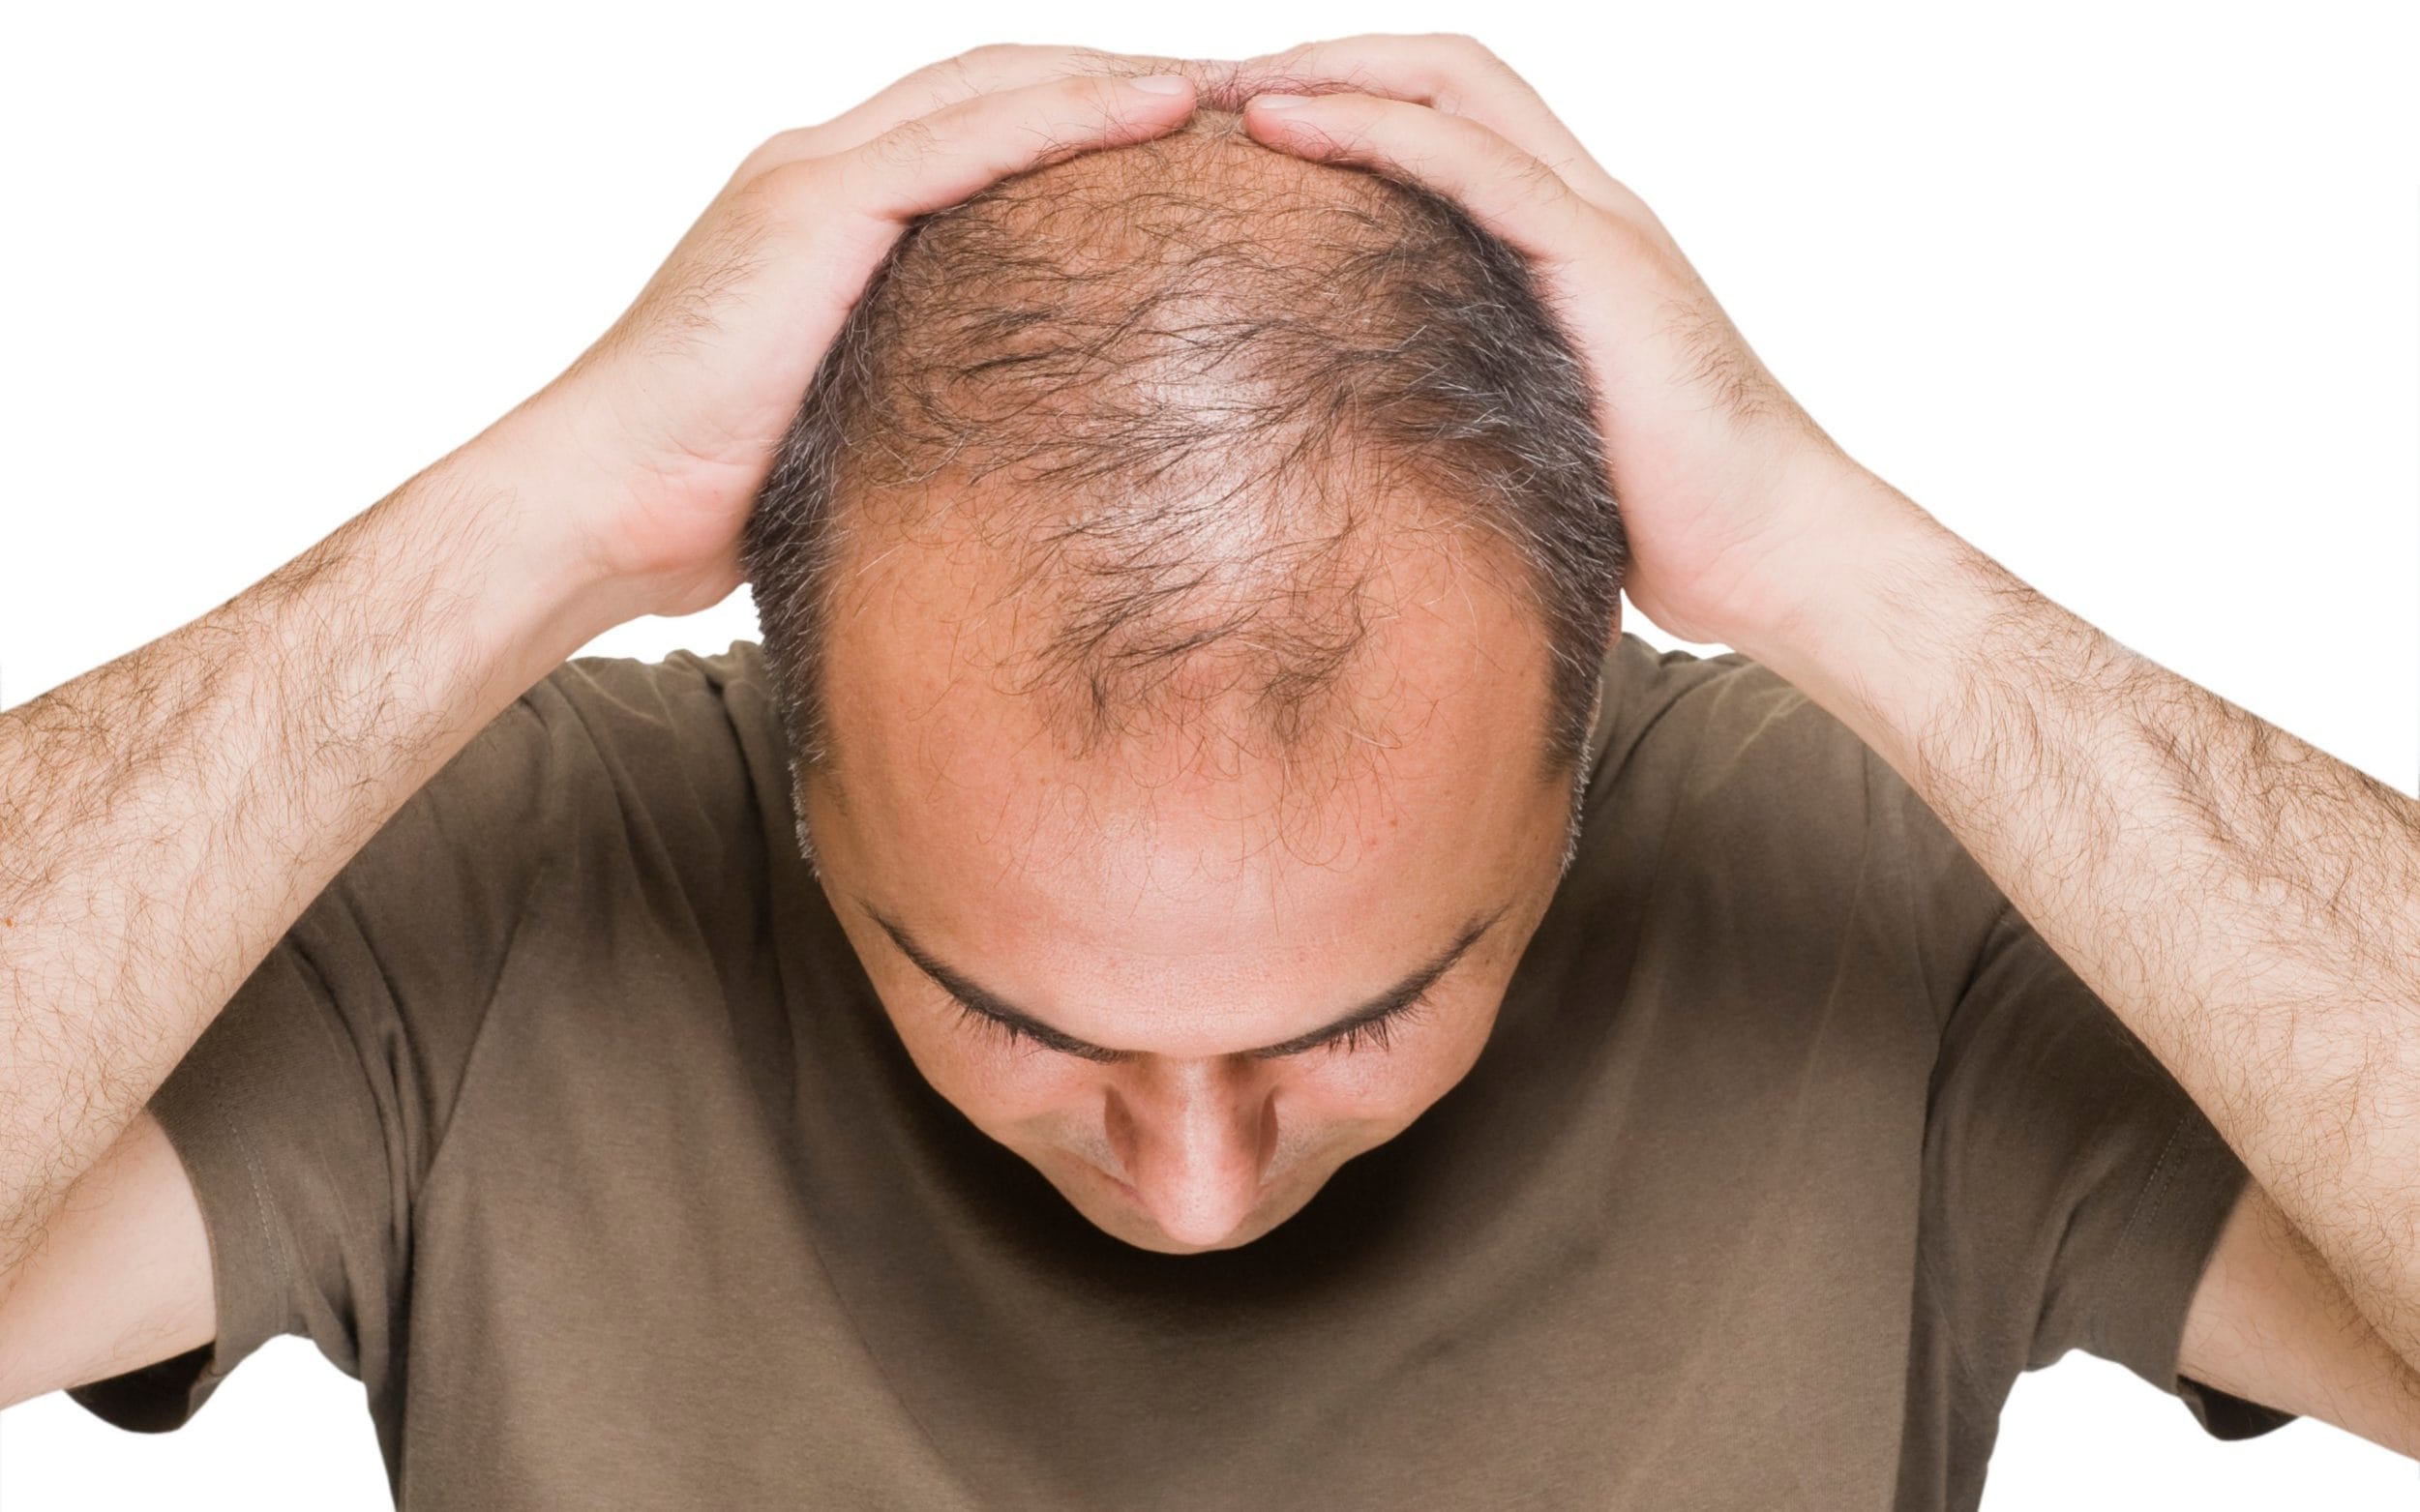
(566,1120)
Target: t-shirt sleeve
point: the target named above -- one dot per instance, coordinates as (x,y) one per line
(2074,1191)
(309,1108)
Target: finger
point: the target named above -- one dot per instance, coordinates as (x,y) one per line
(938,160)
(1453,73)
(980,71)
(1503,186)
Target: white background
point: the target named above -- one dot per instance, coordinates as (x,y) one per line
(2127,295)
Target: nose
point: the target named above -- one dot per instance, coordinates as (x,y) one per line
(1195,1137)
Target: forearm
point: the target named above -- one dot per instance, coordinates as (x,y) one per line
(164,817)
(2247,904)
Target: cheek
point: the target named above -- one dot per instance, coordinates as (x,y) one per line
(1388,1088)
(1000,1087)
(1383,1089)
(1360,1097)
(963,1064)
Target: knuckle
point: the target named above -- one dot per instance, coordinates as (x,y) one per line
(954,79)
(1091,86)
(1101,60)
(938,83)
(904,145)
(946,81)
(1538,180)
(1476,56)
(989,55)
(799,183)
(780,147)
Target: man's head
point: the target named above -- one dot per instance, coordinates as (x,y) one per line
(1184,590)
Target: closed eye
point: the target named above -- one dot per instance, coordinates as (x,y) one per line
(1371,1027)
(1014,1032)
(1376,1033)
(1008,1029)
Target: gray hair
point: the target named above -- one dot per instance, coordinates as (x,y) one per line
(1166,347)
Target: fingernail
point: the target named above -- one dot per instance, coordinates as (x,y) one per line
(1161,83)
(1280,102)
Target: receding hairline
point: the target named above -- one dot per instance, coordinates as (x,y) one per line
(1150,197)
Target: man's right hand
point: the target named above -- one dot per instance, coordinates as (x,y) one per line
(675,412)
(165,818)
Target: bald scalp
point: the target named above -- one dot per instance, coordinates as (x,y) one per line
(1182,398)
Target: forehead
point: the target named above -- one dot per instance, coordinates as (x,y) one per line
(963,798)
(1208,599)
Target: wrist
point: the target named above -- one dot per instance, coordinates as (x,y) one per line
(628,527)
(500,517)
(1872,604)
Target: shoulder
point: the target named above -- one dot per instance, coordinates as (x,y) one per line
(688,707)
(673,764)
(1697,729)
(1716,779)
(621,697)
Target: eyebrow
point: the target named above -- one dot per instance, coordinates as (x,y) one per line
(991,1006)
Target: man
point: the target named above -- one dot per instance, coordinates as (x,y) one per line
(1197,966)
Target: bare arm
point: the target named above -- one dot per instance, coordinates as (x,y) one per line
(121,1277)
(166,816)
(2271,1324)
(2247,904)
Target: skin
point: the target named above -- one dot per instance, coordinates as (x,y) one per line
(2249,905)
(1167,900)
(164,817)
(2243,902)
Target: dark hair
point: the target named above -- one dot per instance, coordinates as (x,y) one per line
(1151,342)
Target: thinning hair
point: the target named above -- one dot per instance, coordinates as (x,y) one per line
(1210,384)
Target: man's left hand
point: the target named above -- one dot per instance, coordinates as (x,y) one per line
(2246,904)
(1723,478)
